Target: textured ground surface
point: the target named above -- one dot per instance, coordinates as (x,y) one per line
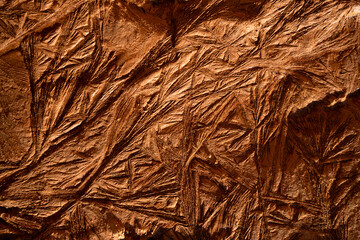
(198,119)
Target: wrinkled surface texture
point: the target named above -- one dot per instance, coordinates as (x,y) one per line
(207,119)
